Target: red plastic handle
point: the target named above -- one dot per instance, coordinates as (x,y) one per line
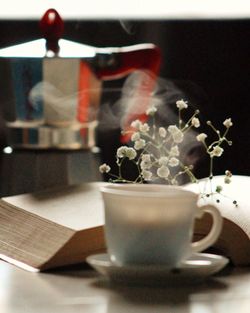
(128,61)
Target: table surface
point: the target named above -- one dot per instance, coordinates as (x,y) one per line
(81,289)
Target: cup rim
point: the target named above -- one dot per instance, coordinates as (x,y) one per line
(147,190)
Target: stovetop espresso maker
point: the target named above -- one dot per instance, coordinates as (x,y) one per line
(51,87)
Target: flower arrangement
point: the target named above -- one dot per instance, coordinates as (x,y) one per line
(156,150)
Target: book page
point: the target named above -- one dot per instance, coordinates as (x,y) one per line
(238,189)
(76,207)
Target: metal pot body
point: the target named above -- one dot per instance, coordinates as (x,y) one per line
(53,101)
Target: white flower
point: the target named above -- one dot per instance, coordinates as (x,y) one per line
(151,110)
(146,157)
(104,168)
(131,153)
(162,132)
(139,144)
(144,128)
(173,129)
(178,137)
(135,136)
(145,165)
(174,151)
(163,172)
(228,123)
(217,151)
(147,175)
(228,173)
(195,122)
(121,152)
(174,181)
(146,162)
(173,162)
(125,152)
(136,124)
(176,133)
(181,104)
(201,137)
(163,160)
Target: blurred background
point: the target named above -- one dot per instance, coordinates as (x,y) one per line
(205,54)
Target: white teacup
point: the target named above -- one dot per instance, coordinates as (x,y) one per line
(153,224)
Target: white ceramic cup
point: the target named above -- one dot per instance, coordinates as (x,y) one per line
(153,224)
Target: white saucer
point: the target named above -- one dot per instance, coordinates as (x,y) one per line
(198,267)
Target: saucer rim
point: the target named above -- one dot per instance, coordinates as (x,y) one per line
(157,275)
(106,262)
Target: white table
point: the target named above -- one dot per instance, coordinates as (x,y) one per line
(83,290)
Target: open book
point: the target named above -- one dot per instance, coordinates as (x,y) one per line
(52,228)
(63,226)
(234,240)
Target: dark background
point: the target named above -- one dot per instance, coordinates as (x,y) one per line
(209,59)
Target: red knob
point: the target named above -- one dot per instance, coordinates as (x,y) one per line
(52,26)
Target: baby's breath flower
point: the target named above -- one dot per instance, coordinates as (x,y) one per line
(228,123)
(227,180)
(174,151)
(164,142)
(174,181)
(218,189)
(136,124)
(146,162)
(139,144)
(146,157)
(121,152)
(145,165)
(195,122)
(163,172)
(104,168)
(173,162)
(144,128)
(178,137)
(125,152)
(217,151)
(163,160)
(135,136)
(131,153)
(181,104)
(151,110)
(147,175)
(228,173)
(173,129)
(162,132)
(201,137)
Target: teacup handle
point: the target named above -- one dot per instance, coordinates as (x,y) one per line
(214,233)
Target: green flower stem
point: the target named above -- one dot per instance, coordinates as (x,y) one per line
(179,117)
(120,168)
(211,175)
(211,168)
(188,124)
(113,175)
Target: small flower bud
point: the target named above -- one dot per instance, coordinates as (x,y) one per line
(228,173)
(195,122)
(228,123)
(181,104)
(227,180)
(104,168)
(218,189)
(201,137)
